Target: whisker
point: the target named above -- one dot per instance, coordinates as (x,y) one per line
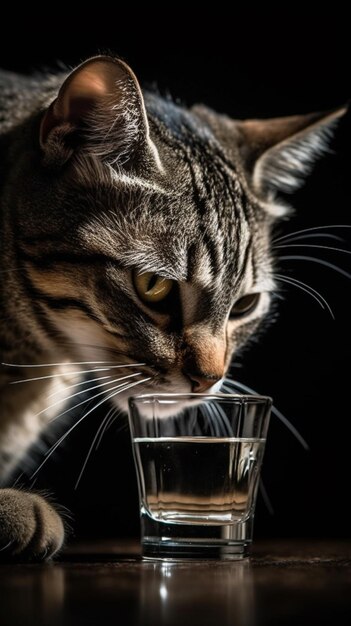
(7,545)
(312,235)
(78,393)
(123,426)
(291,427)
(112,415)
(311,245)
(101,426)
(308,289)
(17,479)
(83,382)
(302,257)
(227,388)
(57,364)
(97,369)
(308,230)
(52,449)
(58,443)
(275,411)
(32,483)
(192,420)
(75,406)
(214,423)
(224,419)
(95,439)
(207,417)
(265,497)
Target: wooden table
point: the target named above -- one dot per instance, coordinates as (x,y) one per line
(284,583)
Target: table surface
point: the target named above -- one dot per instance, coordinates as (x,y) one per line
(283,583)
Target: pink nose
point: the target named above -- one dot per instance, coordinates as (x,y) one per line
(200,384)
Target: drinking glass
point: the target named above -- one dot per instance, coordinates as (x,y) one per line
(198,459)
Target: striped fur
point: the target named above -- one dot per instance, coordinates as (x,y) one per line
(190,207)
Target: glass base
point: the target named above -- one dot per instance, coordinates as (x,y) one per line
(182,551)
(183,542)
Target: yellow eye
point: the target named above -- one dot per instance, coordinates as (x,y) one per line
(150,287)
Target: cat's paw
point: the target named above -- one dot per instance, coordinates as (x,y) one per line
(30,528)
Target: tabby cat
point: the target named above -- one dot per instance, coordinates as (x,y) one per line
(135,242)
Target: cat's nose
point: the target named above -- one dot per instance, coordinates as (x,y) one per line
(201,382)
(203,357)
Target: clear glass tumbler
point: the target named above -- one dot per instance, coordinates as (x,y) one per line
(198,459)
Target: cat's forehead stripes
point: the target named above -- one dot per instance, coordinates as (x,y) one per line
(172,252)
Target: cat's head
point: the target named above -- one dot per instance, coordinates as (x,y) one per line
(146,229)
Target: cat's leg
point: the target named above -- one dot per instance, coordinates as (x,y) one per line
(30,528)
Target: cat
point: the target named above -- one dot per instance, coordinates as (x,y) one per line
(135,242)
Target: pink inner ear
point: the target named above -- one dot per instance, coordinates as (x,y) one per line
(92,100)
(77,96)
(81,93)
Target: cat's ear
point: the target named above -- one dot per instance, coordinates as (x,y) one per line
(279,153)
(99,111)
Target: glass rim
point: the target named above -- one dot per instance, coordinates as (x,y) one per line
(257,398)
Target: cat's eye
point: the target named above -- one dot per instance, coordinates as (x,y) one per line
(244,305)
(151,288)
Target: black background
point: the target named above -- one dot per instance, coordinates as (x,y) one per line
(243,63)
